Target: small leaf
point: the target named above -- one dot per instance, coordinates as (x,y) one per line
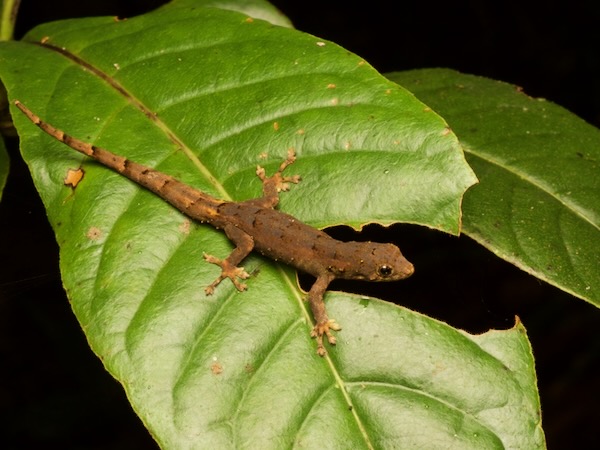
(538,201)
(257,9)
(4,166)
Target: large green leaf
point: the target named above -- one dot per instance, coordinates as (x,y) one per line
(206,94)
(538,201)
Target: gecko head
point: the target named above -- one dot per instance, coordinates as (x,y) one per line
(387,263)
(379,262)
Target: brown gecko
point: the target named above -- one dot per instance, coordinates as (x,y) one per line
(255,224)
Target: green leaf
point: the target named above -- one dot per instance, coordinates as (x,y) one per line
(205,94)
(4,165)
(538,201)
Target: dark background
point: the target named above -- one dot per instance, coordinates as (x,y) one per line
(55,392)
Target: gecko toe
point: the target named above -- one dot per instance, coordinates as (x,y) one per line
(239,286)
(209,290)
(321,349)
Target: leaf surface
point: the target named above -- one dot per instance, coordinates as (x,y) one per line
(538,201)
(240,370)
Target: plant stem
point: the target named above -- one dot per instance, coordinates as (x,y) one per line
(8,19)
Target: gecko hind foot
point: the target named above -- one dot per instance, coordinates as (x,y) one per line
(228,270)
(326,329)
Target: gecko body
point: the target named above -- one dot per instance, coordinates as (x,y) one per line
(255,224)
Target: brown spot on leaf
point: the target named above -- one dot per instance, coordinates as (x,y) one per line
(73,177)
(94,233)
(276,126)
(216,368)
(44,39)
(185,226)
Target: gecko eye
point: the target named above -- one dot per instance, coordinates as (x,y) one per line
(385,270)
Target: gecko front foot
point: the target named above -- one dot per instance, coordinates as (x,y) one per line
(228,270)
(277,180)
(325,328)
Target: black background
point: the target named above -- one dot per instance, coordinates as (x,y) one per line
(55,392)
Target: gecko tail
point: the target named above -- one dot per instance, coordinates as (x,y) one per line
(173,191)
(134,171)
(120,164)
(75,144)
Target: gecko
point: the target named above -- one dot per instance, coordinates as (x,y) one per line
(255,224)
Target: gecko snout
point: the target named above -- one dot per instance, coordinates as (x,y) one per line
(408,269)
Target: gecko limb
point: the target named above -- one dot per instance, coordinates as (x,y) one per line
(229,266)
(324,325)
(277,182)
